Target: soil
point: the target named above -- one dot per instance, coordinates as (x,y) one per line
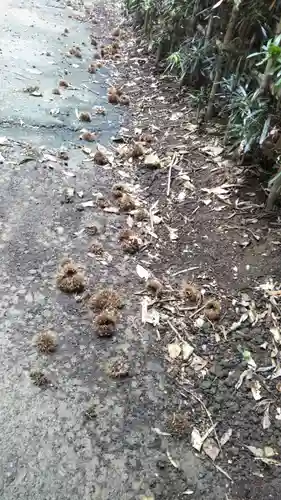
(79,432)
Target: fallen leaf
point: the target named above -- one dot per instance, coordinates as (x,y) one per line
(152,160)
(198,363)
(196,439)
(151,316)
(187,350)
(211,449)
(159,432)
(226,437)
(111,210)
(174,350)
(173,233)
(173,462)
(142,272)
(87,204)
(256,390)
(212,150)
(276,334)
(266,419)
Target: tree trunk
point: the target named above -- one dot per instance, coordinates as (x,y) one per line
(223,49)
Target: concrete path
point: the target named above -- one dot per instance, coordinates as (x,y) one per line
(48,449)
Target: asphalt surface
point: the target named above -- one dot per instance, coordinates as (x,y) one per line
(48,449)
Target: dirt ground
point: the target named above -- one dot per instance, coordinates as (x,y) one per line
(181,399)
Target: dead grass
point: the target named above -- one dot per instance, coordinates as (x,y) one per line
(105,299)
(70,279)
(46,342)
(105,323)
(118,369)
(212,310)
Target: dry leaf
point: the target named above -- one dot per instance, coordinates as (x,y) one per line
(159,432)
(87,204)
(174,350)
(151,316)
(173,462)
(226,437)
(142,272)
(198,363)
(256,390)
(187,350)
(111,210)
(211,449)
(152,160)
(266,419)
(196,439)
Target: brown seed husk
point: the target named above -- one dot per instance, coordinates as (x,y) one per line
(70,279)
(138,150)
(124,100)
(212,310)
(92,68)
(113,98)
(141,214)
(127,234)
(106,323)
(96,248)
(105,299)
(131,246)
(154,286)
(190,292)
(46,342)
(84,116)
(118,190)
(100,158)
(116,32)
(126,202)
(63,83)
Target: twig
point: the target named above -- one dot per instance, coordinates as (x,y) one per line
(200,309)
(170,173)
(206,410)
(185,270)
(174,330)
(222,471)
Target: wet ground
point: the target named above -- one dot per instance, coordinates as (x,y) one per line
(49,449)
